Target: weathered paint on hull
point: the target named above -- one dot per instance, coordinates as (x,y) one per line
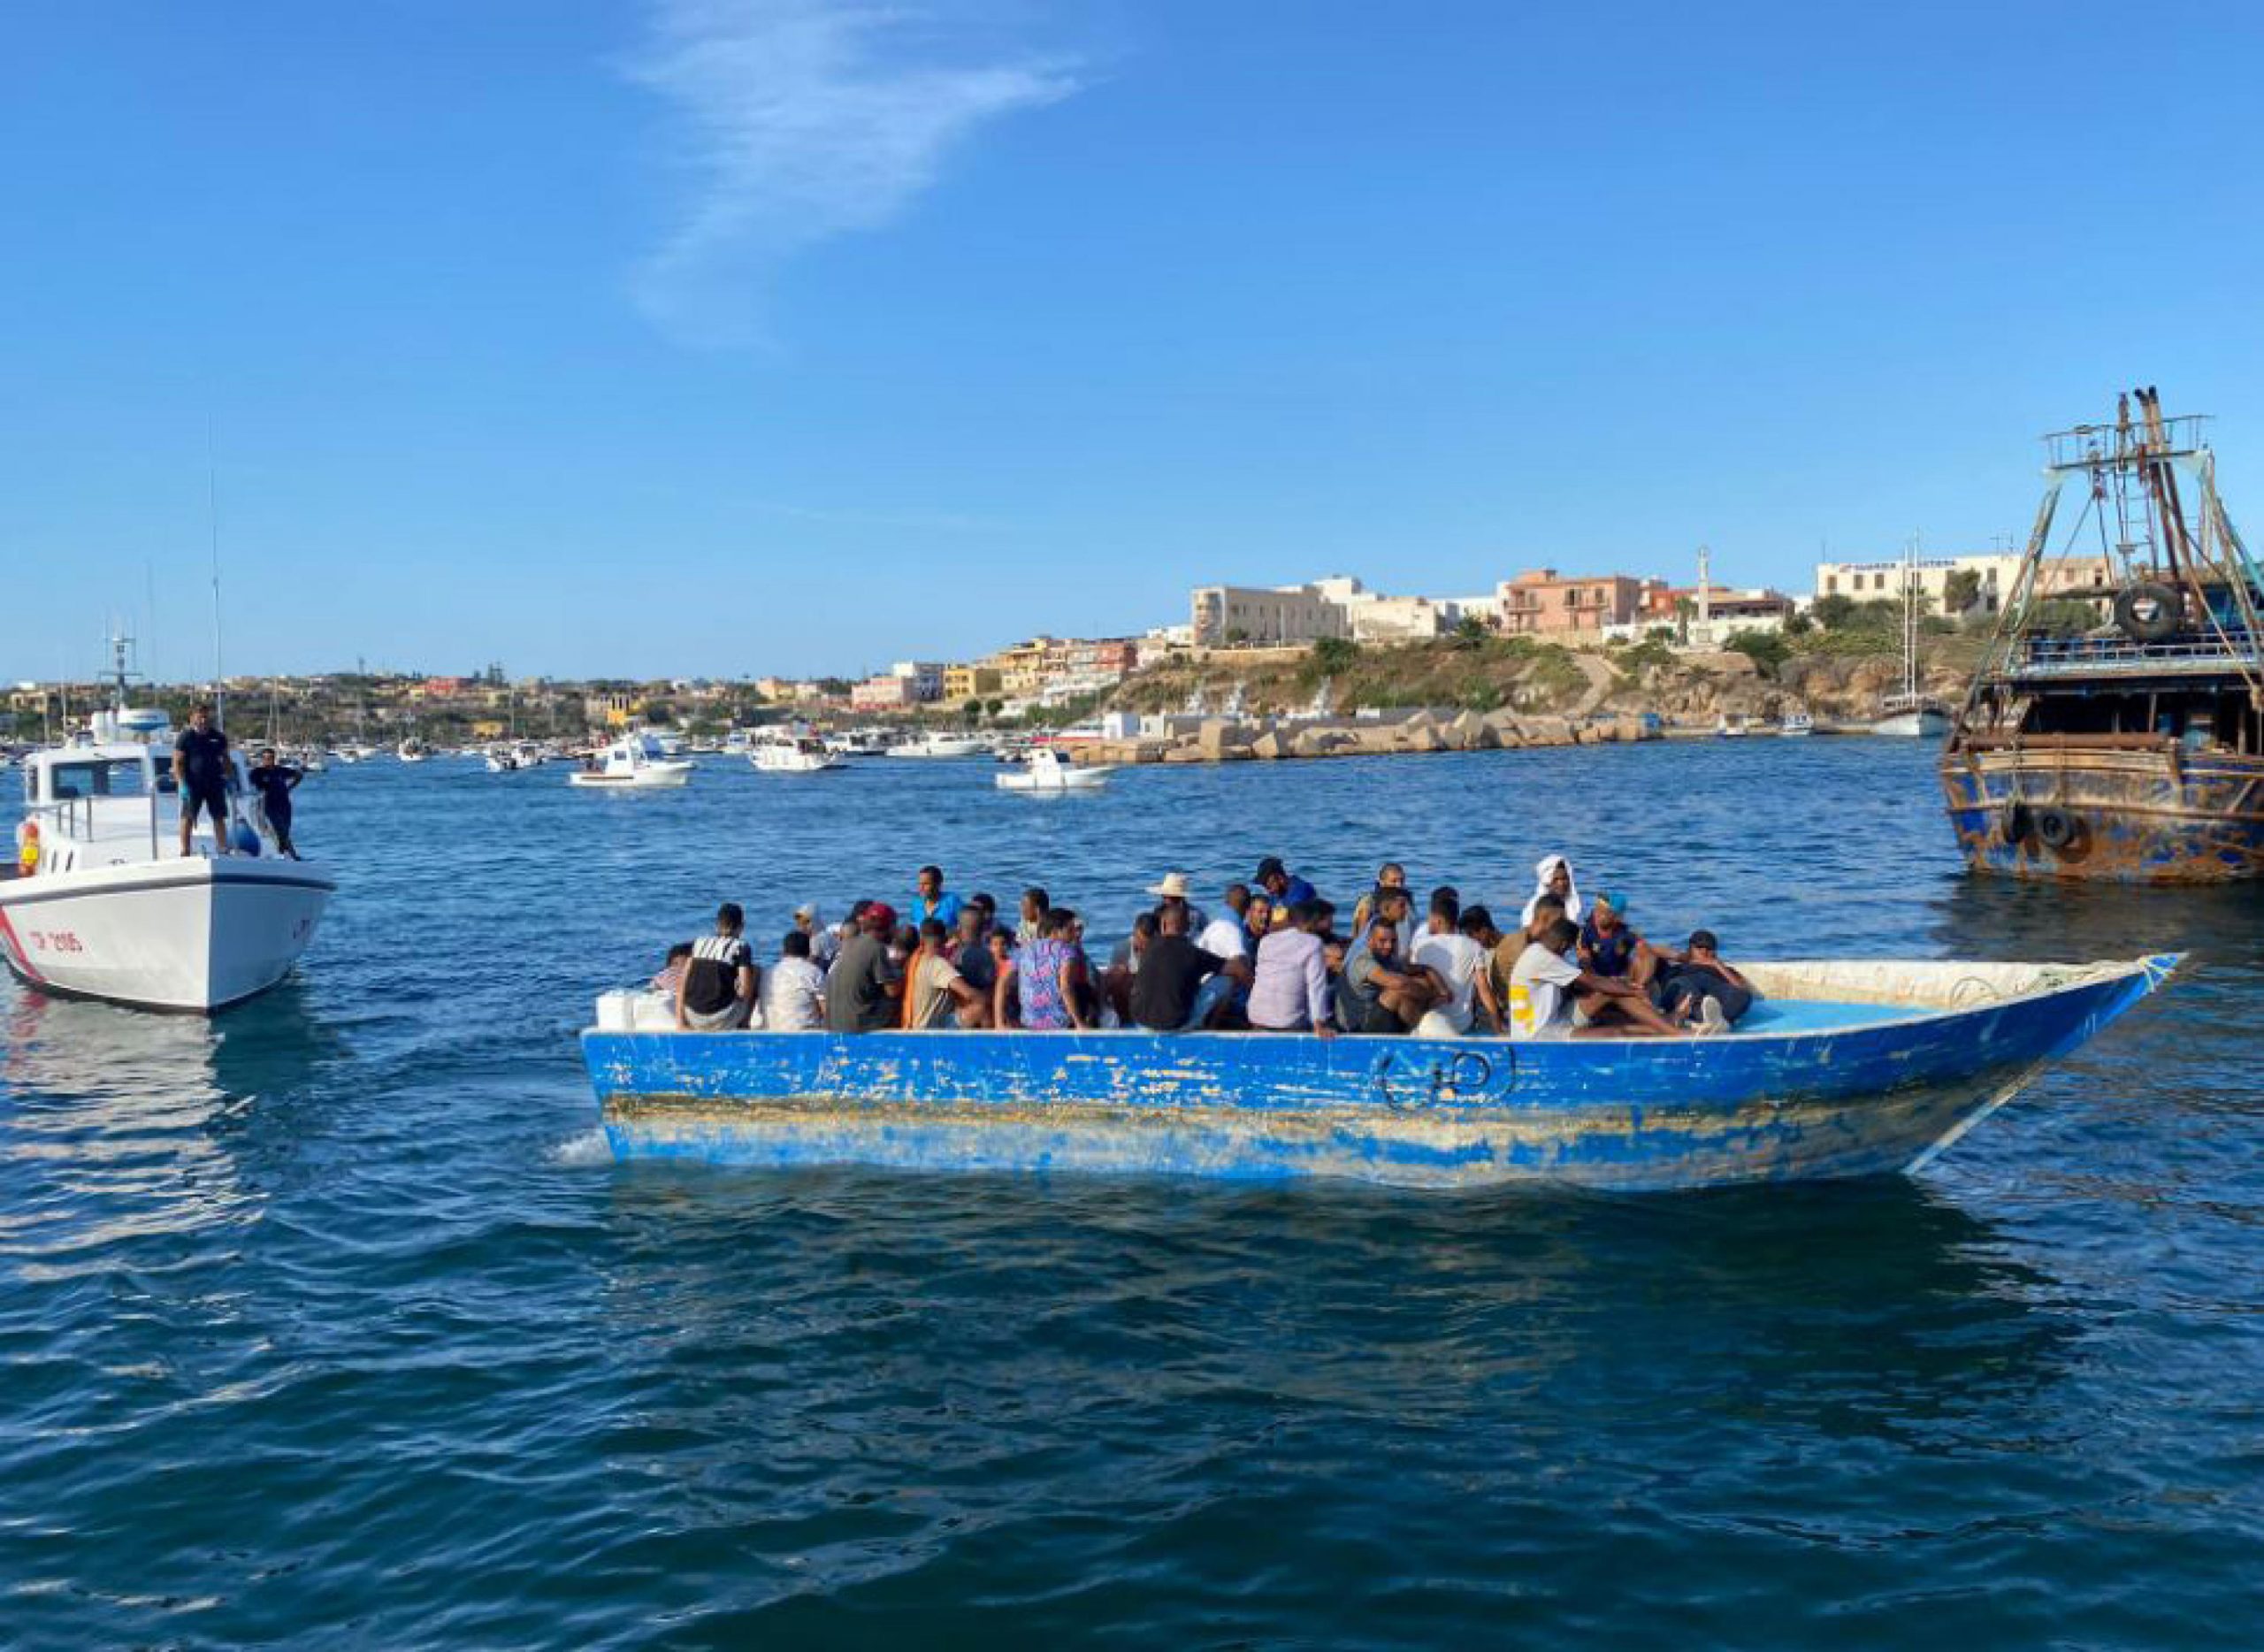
(1630,1115)
(2145,818)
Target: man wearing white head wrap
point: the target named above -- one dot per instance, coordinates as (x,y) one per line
(1553,876)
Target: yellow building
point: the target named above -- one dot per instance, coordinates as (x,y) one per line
(1022,668)
(971,682)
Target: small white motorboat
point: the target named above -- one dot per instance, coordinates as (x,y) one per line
(632,763)
(940,745)
(1042,771)
(784,755)
(859,743)
(1797,724)
(103,904)
(412,751)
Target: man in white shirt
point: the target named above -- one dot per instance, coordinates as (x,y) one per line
(1460,961)
(1223,937)
(793,992)
(1551,996)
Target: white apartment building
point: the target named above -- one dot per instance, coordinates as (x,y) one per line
(926,678)
(1337,605)
(1867,582)
(1220,615)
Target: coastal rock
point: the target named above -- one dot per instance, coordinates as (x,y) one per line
(1268,746)
(1220,741)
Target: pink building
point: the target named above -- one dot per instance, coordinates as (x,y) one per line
(1537,603)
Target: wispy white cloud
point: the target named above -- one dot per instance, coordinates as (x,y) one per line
(800,120)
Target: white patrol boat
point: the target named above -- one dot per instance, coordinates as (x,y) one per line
(634,763)
(101,903)
(785,754)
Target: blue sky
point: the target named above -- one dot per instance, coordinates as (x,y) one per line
(732,336)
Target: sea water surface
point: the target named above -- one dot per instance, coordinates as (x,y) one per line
(329,1323)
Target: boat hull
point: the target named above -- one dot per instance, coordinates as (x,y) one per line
(1913,725)
(2140,816)
(192,936)
(1629,1114)
(655,779)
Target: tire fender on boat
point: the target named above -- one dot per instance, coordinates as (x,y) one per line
(2148,611)
(2057,829)
(2015,824)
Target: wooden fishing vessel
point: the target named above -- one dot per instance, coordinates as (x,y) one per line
(1844,1069)
(2130,749)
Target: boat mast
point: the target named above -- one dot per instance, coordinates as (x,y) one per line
(213,520)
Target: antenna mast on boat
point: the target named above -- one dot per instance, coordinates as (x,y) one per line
(212,516)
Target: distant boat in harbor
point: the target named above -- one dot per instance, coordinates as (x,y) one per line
(940,745)
(1908,714)
(788,754)
(632,763)
(1042,770)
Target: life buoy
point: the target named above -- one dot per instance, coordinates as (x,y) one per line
(2148,611)
(2014,824)
(2057,829)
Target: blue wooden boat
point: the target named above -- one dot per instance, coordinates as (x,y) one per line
(1844,1069)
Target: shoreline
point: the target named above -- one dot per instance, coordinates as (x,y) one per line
(1279,739)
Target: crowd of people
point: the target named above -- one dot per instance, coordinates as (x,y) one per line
(1273,959)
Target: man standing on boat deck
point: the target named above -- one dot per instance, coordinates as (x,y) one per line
(275,782)
(201,774)
(932,902)
(863,990)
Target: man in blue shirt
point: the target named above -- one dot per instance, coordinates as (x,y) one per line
(1286,889)
(932,902)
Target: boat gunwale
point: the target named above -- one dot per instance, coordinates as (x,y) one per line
(2152,970)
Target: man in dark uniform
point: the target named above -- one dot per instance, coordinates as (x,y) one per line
(275,782)
(201,772)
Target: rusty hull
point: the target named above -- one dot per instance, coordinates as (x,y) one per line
(2141,815)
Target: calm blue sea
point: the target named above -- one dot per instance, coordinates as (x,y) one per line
(329,1324)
